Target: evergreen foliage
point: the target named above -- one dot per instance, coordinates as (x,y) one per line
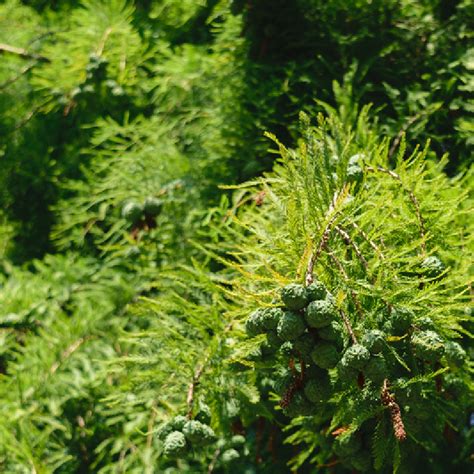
(222,248)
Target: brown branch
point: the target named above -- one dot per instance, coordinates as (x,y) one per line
(6,48)
(413,199)
(348,241)
(314,257)
(388,400)
(369,241)
(347,323)
(191,390)
(329,464)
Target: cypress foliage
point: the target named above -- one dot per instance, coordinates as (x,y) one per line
(222,248)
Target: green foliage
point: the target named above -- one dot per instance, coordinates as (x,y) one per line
(370,266)
(180,294)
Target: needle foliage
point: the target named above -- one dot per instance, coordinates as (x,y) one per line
(236,236)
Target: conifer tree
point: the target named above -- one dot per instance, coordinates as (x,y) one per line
(181,292)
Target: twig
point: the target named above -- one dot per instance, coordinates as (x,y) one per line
(370,242)
(191,389)
(348,241)
(322,243)
(402,132)
(314,257)
(13,79)
(346,277)
(290,392)
(347,323)
(151,422)
(68,352)
(213,462)
(103,40)
(28,117)
(197,377)
(6,48)
(413,199)
(388,400)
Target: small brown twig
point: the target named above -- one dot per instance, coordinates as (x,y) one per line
(369,240)
(191,390)
(68,352)
(388,400)
(402,132)
(290,392)
(348,241)
(197,377)
(314,257)
(213,462)
(6,48)
(347,323)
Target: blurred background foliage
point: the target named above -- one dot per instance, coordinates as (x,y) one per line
(104,102)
